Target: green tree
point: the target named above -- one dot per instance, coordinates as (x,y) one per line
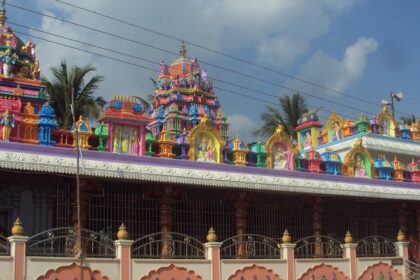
(60,87)
(292,107)
(409,120)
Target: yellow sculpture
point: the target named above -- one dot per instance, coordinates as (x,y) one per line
(239,152)
(84,131)
(280,146)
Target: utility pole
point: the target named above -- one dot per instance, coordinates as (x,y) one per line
(79,228)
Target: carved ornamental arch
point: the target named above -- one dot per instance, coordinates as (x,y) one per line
(70,272)
(348,166)
(254,272)
(332,119)
(204,128)
(380,271)
(171,272)
(385,115)
(323,271)
(278,136)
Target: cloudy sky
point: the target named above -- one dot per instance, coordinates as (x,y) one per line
(364,49)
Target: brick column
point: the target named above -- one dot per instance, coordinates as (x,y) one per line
(18,253)
(403,253)
(212,248)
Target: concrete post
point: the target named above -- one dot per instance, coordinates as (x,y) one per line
(18,253)
(213,254)
(288,253)
(123,254)
(350,253)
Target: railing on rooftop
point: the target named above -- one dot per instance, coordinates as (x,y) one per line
(171,245)
(4,246)
(318,247)
(62,242)
(250,246)
(376,246)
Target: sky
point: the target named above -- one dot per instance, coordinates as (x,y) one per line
(360,50)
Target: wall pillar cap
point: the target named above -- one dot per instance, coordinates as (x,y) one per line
(18,238)
(213,245)
(350,245)
(123,242)
(287,245)
(402,243)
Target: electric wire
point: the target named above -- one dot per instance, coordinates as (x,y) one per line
(217,52)
(204,62)
(146,60)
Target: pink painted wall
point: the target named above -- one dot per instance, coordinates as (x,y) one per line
(376,271)
(323,271)
(72,272)
(170,273)
(254,272)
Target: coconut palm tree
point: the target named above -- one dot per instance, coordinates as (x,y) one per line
(60,87)
(409,120)
(292,108)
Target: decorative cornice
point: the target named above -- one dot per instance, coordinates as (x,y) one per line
(294,182)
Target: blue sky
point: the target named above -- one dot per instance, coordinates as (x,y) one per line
(363,48)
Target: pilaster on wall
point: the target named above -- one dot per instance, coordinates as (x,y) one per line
(288,253)
(213,254)
(350,253)
(18,253)
(403,253)
(123,254)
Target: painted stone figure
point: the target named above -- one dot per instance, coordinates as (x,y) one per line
(359,167)
(337,131)
(8,59)
(134,145)
(7,122)
(308,140)
(204,149)
(282,158)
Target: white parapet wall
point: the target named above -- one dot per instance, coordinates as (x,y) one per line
(6,267)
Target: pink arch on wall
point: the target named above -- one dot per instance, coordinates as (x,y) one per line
(380,268)
(171,272)
(322,271)
(70,272)
(254,272)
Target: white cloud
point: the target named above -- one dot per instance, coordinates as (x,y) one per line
(339,74)
(241,125)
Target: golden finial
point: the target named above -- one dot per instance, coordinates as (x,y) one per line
(384,107)
(204,118)
(17,228)
(359,142)
(348,238)
(182,50)
(286,237)
(279,128)
(211,237)
(400,236)
(122,233)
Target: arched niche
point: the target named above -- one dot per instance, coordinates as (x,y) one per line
(280,150)
(333,128)
(72,272)
(324,272)
(206,143)
(358,162)
(386,122)
(171,272)
(254,272)
(380,271)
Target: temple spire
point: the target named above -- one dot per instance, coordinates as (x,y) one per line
(182,50)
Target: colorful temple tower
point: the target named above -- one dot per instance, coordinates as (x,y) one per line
(182,96)
(19,84)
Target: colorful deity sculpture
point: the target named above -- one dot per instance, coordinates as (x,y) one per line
(46,124)
(398,170)
(308,131)
(7,122)
(280,150)
(239,152)
(9,58)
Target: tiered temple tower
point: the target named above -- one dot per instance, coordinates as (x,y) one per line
(183,95)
